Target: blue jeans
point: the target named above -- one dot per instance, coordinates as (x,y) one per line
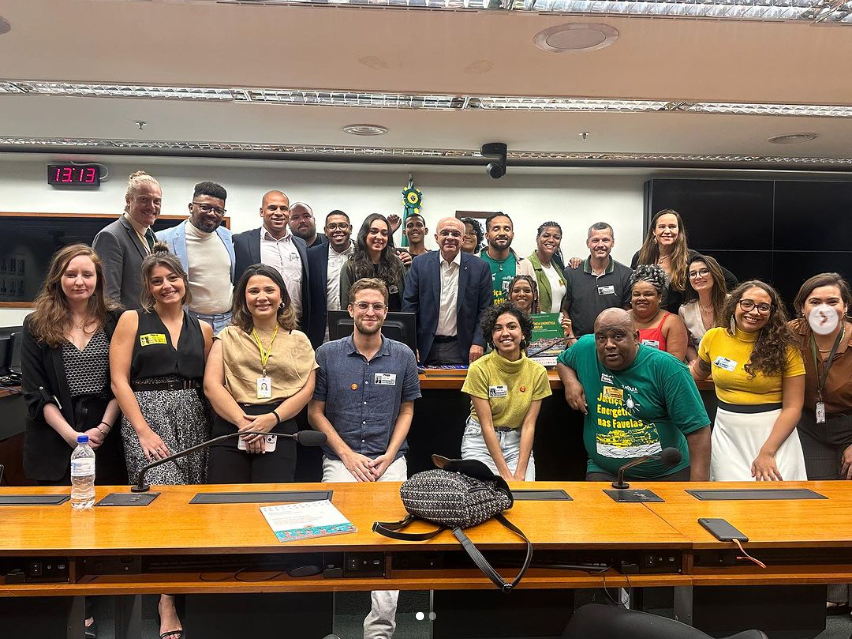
(473,447)
(217,321)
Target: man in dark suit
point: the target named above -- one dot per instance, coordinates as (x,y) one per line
(448,290)
(123,244)
(274,245)
(324,264)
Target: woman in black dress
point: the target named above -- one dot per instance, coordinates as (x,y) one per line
(374,256)
(157,364)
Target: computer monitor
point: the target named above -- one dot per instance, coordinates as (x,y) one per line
(401,327)
(16,347)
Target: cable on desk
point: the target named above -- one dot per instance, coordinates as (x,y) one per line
(747,556)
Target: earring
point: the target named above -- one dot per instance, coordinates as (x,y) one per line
(733,325)
(524,344)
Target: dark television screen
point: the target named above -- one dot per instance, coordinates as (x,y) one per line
(813,216)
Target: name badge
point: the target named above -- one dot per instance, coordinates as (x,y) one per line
(606,379)
(606,290)
(385,379)
(264,387)
(152,338)
(724,363)
(652,343)
(820,413)
(498,391)
(269,445)
(294,257)
(612,392)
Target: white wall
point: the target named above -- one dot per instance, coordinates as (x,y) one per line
(575,201)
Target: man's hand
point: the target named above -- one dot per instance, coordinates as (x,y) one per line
(405,257)
(395,222)
(475,353)
(576,397)
(359,465)
(380,464)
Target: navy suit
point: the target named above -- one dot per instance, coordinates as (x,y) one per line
(423,296)
(318,267)
(247,252)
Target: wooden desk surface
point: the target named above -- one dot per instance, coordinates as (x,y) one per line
(171,525)
(801,523)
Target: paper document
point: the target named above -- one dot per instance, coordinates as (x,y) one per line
(305,520)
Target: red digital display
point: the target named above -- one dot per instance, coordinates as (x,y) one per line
(84,175)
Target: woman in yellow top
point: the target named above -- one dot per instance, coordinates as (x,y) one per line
(260,374)
(760,383)
(505,391)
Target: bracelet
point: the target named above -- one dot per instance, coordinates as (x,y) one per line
(105,424)
(277,418)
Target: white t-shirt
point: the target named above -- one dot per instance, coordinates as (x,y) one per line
(557,289)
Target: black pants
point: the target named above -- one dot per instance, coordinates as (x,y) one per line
(229,465)
(681,475)
(823,444)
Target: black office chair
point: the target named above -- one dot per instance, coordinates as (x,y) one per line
(597,621)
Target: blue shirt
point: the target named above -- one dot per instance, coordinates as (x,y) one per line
(362,398)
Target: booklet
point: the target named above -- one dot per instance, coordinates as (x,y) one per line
(305,520)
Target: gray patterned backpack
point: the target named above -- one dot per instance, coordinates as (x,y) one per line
(460,493)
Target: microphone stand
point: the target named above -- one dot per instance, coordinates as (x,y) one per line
(142,487)
(621,484)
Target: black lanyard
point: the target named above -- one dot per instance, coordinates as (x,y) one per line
(827,363)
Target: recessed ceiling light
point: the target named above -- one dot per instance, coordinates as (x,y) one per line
(480,66)
(365,129)
(575,37)
(793,138)
(5,27)
(373,62)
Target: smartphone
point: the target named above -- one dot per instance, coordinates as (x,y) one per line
(722,530)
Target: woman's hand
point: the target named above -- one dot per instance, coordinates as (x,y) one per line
(153,446)
(763,468)
(846,464)
(566,326)
(96,438)
(517,476)
(263,423)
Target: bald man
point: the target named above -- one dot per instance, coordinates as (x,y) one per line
(304,225)
(637,400)
(273,244)
(448,290)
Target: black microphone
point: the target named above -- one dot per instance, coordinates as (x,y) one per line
(669,456)
(303,437)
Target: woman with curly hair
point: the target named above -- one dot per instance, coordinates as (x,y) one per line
(473,236)
(657,328)
(665,246)
(705,297)
(760,385)
(505,391)
(374,257)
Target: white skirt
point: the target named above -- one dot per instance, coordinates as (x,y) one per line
(737,439)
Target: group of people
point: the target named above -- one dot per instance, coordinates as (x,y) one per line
(172,338)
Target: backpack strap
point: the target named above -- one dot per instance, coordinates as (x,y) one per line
(482,563)
(391,529)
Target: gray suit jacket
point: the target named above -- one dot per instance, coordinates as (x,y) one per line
(122,253)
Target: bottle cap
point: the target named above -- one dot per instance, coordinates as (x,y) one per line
(82,439)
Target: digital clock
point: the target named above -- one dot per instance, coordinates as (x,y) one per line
(80,175)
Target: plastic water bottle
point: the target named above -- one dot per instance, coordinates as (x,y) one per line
(82,475)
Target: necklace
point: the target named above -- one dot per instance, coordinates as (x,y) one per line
(706,309)
(663,258)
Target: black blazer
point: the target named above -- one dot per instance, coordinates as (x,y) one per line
(423,297)
(46,455)
(247,253)
(318,267)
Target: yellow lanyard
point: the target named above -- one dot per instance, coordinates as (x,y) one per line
(264,353)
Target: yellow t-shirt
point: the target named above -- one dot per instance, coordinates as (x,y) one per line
(727,355)
(509,387)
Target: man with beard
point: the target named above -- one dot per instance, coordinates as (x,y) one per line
(364,403)
(415,231)
(324,263)
(273,244)
(448,290)
(598,283)
(206,252)
(637,401)
(304,225)
(501,259)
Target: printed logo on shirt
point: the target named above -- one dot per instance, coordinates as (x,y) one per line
(613,392)
(498,391)
(606,379)
(724,363)
(152,338)
(392,289)
(385,379)
(653,343)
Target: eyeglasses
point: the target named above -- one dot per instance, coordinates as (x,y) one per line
(704,272)
(206,208)
(378,307)
(337,226)
(747,305)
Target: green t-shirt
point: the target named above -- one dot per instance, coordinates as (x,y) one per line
(502,274)
(509,387)
(648,406)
